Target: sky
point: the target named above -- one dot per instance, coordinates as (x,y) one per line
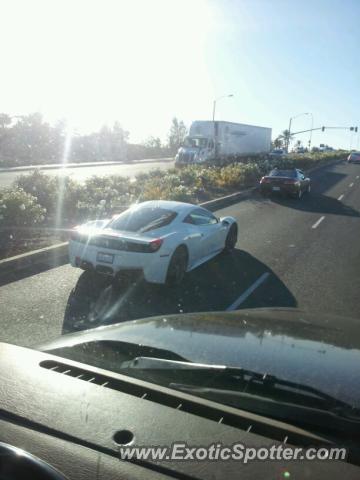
(141,62)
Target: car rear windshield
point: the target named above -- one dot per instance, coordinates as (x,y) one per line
(283,173)
(143,219)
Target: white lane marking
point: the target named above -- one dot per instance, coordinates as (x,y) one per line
(316,224)
(341,197)
(248,292)
(351,185)
(357,176)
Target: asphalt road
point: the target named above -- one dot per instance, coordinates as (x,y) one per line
(82,173)
(290,253)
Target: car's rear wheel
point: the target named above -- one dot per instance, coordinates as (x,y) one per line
(177,267)
(231,238)
(298,194)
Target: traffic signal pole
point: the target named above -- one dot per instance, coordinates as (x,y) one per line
(352,129)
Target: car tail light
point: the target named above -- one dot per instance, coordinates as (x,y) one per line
(154,245)
(265,180)
(75,235)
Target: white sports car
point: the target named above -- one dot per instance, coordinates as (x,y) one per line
(160,240)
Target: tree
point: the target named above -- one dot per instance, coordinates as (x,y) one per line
(177,133)
(278,142)
(286,136)
(5,121)
(153,142)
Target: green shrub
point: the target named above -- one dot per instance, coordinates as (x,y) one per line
(58,194)
(41,186)
(19,211)
(65,201)
(103,196)
(18,208)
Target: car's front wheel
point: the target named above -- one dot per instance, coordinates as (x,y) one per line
(177,267)
(231,238)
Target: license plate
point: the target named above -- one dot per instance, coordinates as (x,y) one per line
(105,257)
(276,189)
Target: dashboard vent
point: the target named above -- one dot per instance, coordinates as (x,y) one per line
(265,429)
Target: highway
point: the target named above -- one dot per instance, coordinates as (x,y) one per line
(81,173)
(290,253)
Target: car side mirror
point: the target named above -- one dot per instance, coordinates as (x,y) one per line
(225,223)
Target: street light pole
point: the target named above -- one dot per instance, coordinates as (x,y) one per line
(213,118)
(216,100)
(312,126)
(289,131)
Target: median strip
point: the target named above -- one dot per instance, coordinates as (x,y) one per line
(248,292)
(316,224)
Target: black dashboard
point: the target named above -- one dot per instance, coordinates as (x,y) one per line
(70,419)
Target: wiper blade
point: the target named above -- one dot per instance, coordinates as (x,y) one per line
(164,363)
(255,381)
(337,418)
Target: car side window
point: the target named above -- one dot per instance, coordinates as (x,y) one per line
(201,217)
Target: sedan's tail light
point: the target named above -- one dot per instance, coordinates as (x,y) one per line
(155,245)
(265,180)
(75,235)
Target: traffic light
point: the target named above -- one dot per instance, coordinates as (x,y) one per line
(351,129)
(323,129)
(355,129)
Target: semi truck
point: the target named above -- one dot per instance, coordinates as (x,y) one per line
(216,142)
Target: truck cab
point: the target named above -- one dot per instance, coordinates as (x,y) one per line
(195,149)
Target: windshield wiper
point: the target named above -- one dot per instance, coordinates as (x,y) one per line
(221,378)
(339,419)
(259,393)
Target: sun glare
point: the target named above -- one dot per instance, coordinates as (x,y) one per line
(137,61)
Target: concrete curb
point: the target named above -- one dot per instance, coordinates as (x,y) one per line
(57,255)
(222,202)
(59,166)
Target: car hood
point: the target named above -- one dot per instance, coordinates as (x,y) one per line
(318,351)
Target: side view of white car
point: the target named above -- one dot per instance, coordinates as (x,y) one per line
(160,240)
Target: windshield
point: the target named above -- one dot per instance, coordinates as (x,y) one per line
(283,173)
(142,219)
(195,142)
(183,177)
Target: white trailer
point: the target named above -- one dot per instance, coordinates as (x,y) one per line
(209,141)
